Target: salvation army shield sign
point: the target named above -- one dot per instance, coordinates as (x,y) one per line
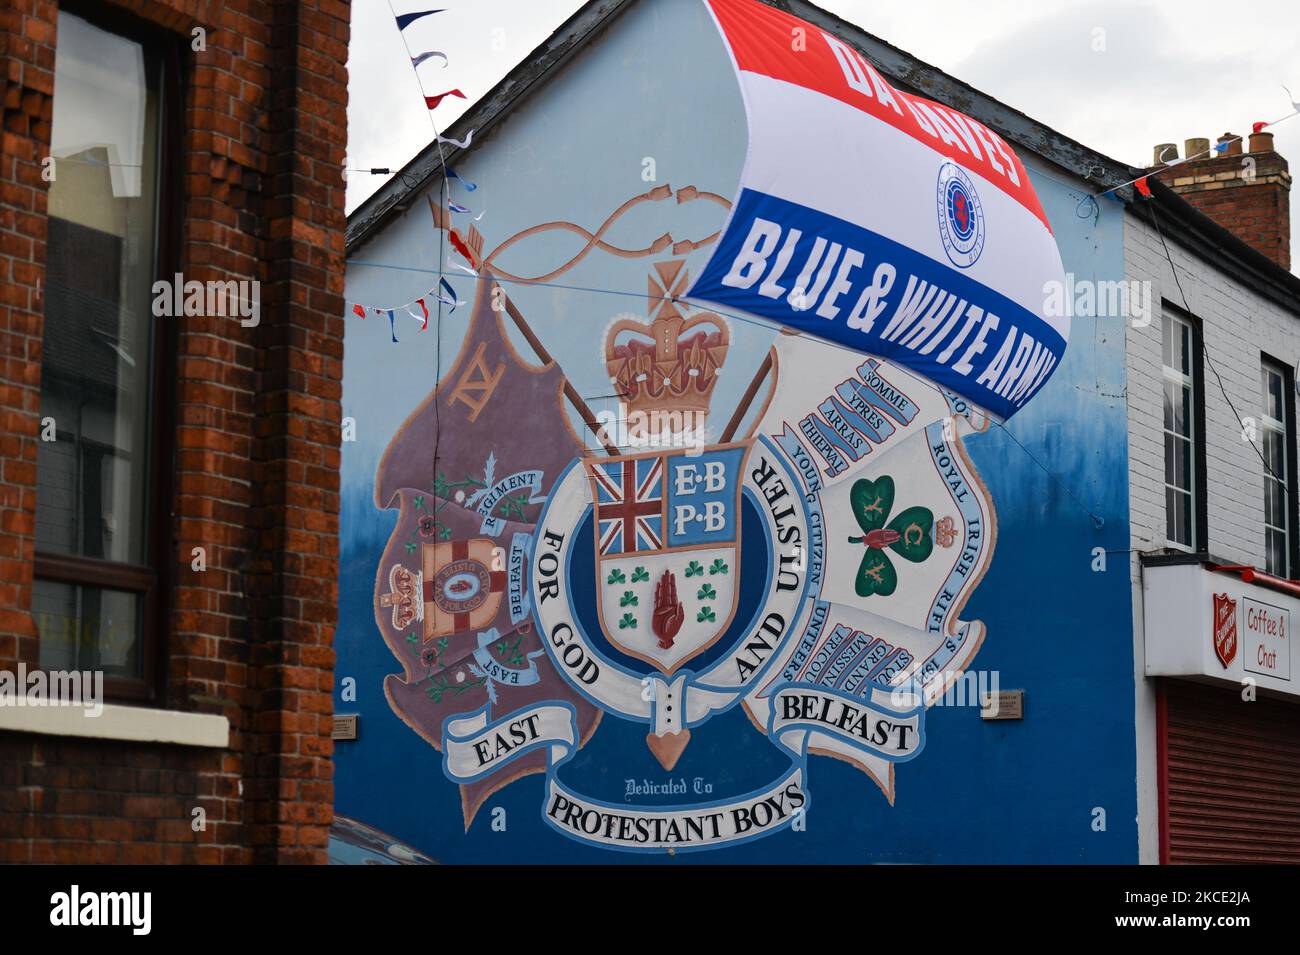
(667,550)
(1225,629)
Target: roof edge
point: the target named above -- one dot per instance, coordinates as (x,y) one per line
(1189,227)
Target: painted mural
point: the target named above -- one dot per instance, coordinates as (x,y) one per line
(811,572)
(626,577)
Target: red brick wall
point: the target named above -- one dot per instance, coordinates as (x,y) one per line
(1257,211)
(255,473)
(27,56)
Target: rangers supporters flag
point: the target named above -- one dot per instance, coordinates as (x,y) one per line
(882,221)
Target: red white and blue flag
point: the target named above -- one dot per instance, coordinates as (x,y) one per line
(882,221)
(629,504)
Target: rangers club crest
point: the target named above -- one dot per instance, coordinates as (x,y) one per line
(1225,629)
(961,217)
(667,546)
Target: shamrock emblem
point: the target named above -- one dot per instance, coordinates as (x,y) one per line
(719,566)
(627,621)
(706,593)
(616,576)
(694,569)
(640,573)
(706,613)
(909,535)
(628,599)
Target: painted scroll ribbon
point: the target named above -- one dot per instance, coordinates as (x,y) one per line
(521,547)
(488,666)
(474,747)
(485,500)
(878,725)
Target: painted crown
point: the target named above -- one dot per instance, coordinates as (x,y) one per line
(665,369)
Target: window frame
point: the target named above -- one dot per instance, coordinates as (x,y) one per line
(1287,428)
(1196,437)
(151,581)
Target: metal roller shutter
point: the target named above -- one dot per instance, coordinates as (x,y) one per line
(1230,776)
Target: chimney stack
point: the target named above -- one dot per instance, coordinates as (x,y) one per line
(1248,194)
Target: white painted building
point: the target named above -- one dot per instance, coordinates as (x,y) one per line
(1213,515)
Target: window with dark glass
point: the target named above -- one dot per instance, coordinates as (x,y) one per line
(1278,449)
(98,506)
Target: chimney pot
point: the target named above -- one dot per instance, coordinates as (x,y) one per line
(1234,148)
(1196,147)
(1257,207)
(1165,152)
(1261,142)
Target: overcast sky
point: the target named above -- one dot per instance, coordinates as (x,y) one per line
(1117,75)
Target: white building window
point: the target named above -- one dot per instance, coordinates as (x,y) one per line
(1279,482)
(1180,432)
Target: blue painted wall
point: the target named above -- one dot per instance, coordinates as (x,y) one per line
(658,85)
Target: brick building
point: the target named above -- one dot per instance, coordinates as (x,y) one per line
(1213,506)
(169,508)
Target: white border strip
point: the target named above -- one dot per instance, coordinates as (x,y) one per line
(131,723)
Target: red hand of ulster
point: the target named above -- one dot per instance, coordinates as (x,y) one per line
(668,612)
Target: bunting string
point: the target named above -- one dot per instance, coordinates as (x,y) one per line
(1143,186)
(442,292)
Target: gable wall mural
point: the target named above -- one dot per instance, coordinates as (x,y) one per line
(625,578)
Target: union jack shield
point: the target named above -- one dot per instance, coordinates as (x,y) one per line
(667,538)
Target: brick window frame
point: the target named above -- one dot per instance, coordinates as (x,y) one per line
(152,580)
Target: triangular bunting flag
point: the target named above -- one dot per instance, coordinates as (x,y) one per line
(453,174)
(417,60)
(404,20)
(433,101)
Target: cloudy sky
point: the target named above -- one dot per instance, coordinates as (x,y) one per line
(1117,75)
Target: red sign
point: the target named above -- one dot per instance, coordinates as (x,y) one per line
(1225,629)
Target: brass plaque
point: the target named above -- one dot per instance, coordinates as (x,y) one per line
(345,727)
(1003,705)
